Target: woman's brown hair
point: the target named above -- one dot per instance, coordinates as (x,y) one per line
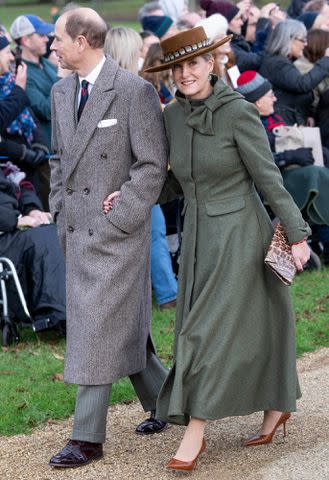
(317,43)
(153,58)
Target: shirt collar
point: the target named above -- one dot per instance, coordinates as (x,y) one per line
(92,76)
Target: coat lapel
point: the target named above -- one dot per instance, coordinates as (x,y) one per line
(65,106)
(101,97)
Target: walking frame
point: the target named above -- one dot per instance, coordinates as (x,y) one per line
(8,326)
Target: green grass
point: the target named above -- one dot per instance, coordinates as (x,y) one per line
(32,391)
(121,12)
(311,302)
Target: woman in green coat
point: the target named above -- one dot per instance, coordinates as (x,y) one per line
(234,350)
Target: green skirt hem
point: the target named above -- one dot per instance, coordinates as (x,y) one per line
(180,418)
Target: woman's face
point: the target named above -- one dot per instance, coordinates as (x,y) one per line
(321,22)
(265,104)
(192,77)
(297,46)
(6,57)
(236,23)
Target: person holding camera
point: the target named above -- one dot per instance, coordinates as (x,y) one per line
(31,36)
(22,141)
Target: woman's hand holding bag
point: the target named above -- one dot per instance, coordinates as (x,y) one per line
(301,254)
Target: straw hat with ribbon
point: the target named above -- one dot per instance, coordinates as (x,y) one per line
(185,45)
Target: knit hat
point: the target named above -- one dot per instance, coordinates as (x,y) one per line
(3,42)
(28,24)
(214,25)
(157,24)
(252,85)
(227,9)
(308,19)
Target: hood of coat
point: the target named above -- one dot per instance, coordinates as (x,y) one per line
(199,113)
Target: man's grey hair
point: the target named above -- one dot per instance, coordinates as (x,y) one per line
(68,7)
(279,42)
(147,10)
(94,30)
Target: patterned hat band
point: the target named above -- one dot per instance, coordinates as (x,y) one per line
(187,50)
(184,45)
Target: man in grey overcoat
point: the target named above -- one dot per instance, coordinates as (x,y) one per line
(108,136)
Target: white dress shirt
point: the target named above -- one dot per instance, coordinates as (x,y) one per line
(91,78)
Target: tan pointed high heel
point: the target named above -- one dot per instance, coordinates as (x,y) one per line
(176,464)
(263,439)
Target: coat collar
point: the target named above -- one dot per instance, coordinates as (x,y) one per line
(199,113)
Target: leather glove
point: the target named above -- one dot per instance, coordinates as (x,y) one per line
(33,158)
(300,156)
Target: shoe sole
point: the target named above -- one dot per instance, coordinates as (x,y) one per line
(92,459)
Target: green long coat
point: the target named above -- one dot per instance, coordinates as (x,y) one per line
(235,334)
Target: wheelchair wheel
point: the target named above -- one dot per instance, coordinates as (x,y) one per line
(9,335)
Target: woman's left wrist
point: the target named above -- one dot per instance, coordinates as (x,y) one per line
(299,242)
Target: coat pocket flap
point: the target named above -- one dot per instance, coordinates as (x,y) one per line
(225,206)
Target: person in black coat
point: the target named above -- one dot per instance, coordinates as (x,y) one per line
(244,58)
(294,91)
(296,8)
(22,141)
(29,240)
(12,105)
(307,183)
(323,117)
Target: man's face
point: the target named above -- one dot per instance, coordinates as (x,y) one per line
(6,57)
(36,44)
(65,48)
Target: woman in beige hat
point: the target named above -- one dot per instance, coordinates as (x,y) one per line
(234,350)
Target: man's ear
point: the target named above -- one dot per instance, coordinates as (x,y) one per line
(23,40)
(82,43)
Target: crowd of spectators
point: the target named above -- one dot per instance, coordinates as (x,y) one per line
(281,54)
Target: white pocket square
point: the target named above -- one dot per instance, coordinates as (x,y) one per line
(108,122)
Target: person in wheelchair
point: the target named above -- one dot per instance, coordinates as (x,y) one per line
(29,239)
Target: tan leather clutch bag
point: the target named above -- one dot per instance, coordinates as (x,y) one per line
(279,257)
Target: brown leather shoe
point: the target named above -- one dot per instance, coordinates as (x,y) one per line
(76,454)
(263,439)
(176,464)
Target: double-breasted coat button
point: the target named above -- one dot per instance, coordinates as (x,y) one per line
(91,231)
(104,155)
(69,191)
(86,191)
(70,229)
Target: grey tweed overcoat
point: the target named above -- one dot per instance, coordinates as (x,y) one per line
(118,144)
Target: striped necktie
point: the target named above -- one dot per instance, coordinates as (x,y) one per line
(83,98)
